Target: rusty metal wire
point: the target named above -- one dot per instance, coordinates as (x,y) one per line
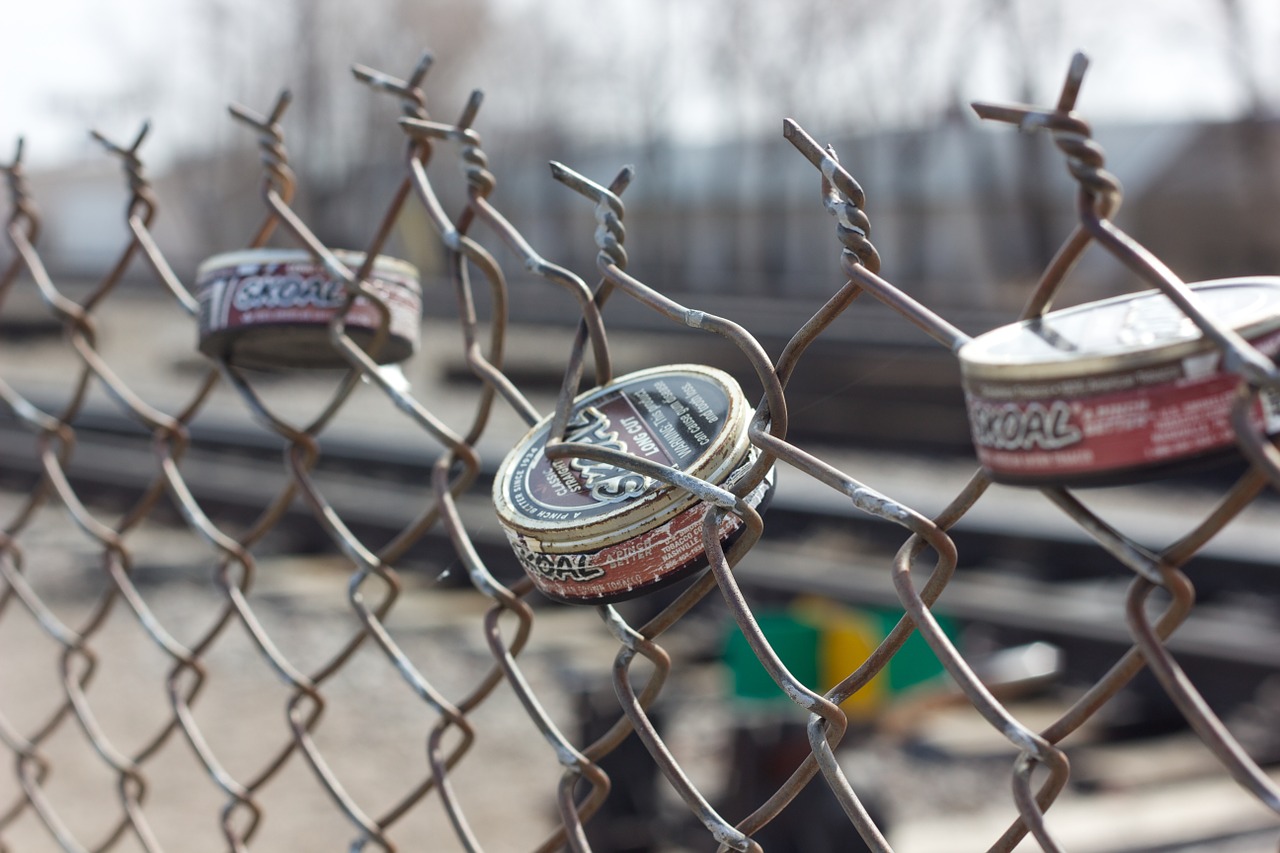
(376,574)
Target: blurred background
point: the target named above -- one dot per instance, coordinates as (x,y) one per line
(1183,95)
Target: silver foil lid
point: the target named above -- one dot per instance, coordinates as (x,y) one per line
(1122,332)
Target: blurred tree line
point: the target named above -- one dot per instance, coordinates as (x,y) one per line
(693,94)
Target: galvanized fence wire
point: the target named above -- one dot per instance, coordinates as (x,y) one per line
(375,583)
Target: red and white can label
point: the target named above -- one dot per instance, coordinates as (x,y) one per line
(670,418)
(627,568)
(1113,422)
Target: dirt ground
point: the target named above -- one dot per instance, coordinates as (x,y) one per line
(950,782)
(373,730)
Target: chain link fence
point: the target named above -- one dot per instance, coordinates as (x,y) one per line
(454,692)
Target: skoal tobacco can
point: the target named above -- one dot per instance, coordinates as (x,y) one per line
(271,308)
(587,532)
(1115,391)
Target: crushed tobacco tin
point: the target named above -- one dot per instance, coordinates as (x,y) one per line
(588,532)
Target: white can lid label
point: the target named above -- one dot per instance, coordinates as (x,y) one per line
(670,418)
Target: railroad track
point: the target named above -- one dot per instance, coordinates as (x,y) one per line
(1024,576)
(1029,575)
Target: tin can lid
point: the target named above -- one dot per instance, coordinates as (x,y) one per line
(690,417)
(1124,332)
(403,272)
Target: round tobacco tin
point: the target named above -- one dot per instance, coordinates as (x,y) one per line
(587,532)
(1115,391)
(271,308)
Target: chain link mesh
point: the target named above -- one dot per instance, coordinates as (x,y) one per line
(454,715)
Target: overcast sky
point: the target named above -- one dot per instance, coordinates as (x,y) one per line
(67,64)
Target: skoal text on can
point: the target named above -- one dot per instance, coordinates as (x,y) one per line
(271,308)
(1117,390)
